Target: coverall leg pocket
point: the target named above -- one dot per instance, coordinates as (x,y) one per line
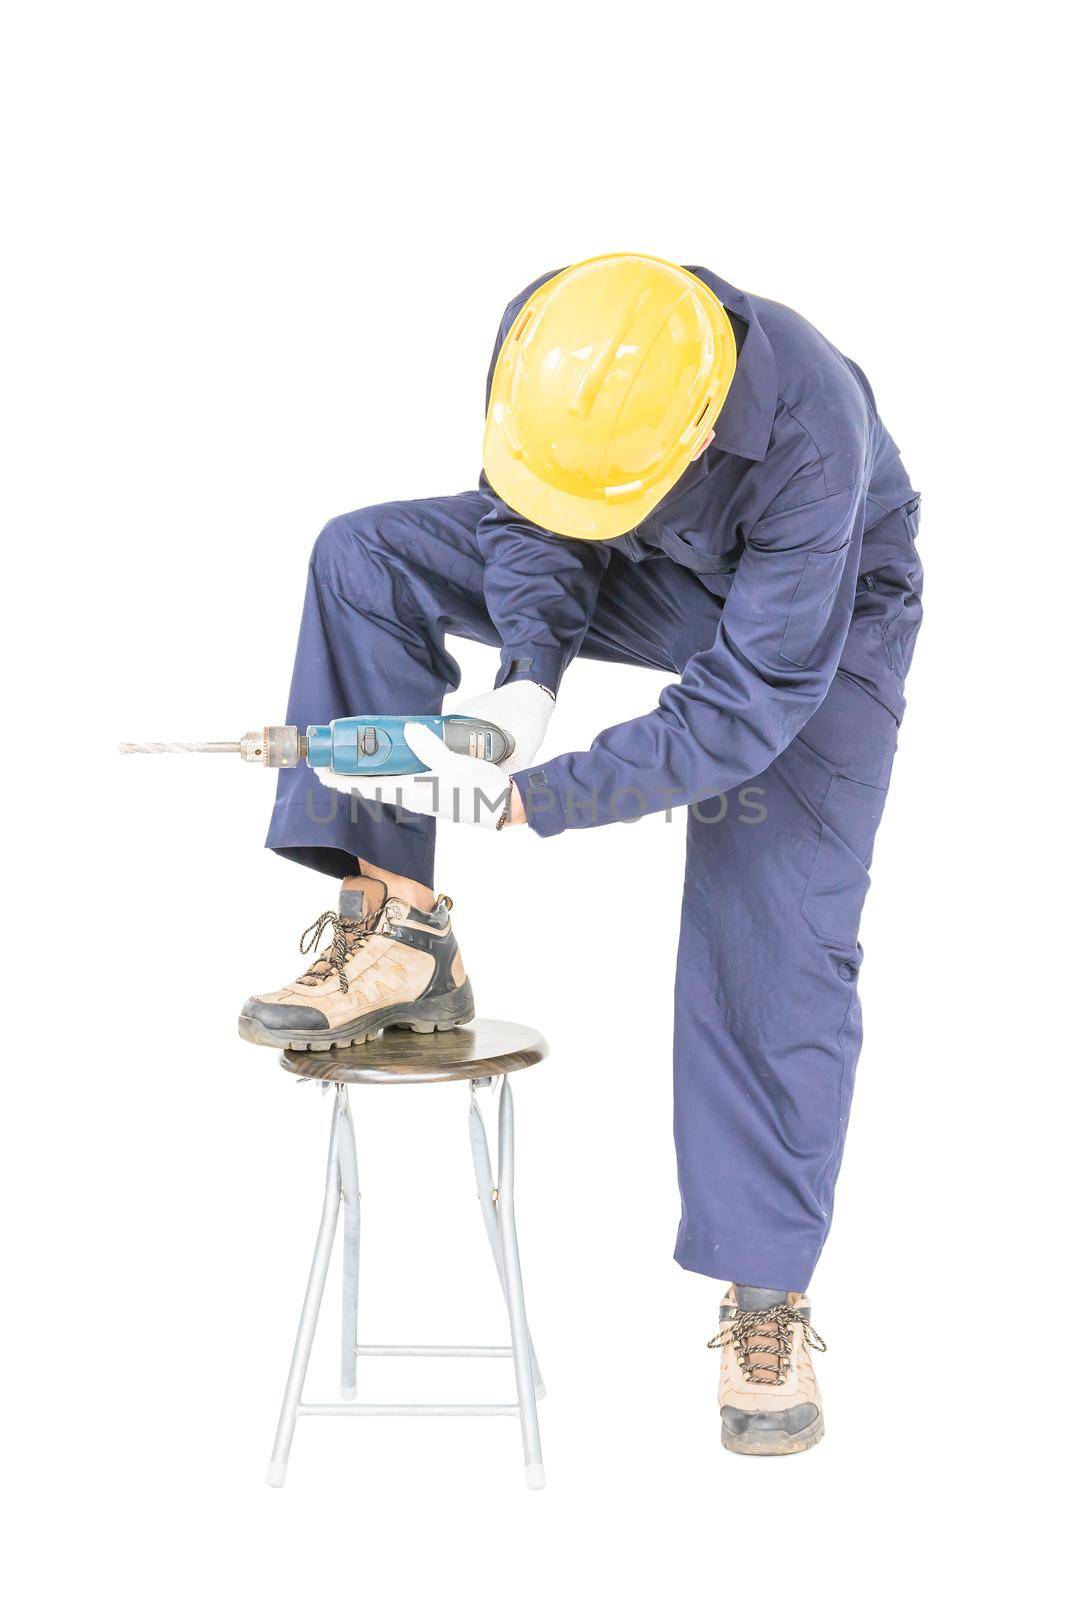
(840,874)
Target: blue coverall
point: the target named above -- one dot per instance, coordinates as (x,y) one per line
(779,580)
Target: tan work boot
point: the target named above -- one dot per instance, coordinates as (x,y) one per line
(389,966)
(767,1392)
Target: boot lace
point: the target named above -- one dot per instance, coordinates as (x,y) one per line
(348,935)
(766,1334)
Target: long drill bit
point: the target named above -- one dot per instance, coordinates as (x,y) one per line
(217,748)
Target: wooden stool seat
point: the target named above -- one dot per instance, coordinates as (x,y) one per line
(484,1048)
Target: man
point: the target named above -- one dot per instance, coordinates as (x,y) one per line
(684,476)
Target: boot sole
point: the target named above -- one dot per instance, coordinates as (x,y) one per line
(772,1443)
(419,1016)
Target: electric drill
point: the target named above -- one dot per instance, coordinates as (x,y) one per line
(354,746)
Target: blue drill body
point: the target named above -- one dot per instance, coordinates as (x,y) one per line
(375,745)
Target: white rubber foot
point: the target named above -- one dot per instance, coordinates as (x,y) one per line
(541,1391)
(276,1473)
(534,1475)
(348,1392)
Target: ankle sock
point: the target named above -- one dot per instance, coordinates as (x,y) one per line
(751,1299)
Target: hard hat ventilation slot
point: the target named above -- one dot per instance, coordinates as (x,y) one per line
(691,433)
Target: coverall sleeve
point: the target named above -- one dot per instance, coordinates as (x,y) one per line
(738,703)
(540,588)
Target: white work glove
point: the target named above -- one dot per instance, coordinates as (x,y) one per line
(524,709)
(455,788)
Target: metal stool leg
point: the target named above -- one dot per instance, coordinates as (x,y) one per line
(516,1304)
(316,1282)
(486,1191)
(349,1181)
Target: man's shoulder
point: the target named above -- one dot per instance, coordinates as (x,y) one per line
(514,306)
(820,391)
(802,351)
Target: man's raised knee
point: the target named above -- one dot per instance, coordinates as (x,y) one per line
(345,541)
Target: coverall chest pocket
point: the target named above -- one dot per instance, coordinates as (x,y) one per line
(840,874)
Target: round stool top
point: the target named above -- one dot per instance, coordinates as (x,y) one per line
(482,1049)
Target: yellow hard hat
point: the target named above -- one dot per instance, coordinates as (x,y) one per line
(606,387)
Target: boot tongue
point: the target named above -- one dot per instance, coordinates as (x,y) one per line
(361,898)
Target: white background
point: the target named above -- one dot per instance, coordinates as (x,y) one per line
(256,258)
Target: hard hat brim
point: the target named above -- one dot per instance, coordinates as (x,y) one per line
(552,509)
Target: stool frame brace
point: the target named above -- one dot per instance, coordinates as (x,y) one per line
(497,1209)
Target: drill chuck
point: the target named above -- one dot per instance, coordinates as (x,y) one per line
(276,745)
